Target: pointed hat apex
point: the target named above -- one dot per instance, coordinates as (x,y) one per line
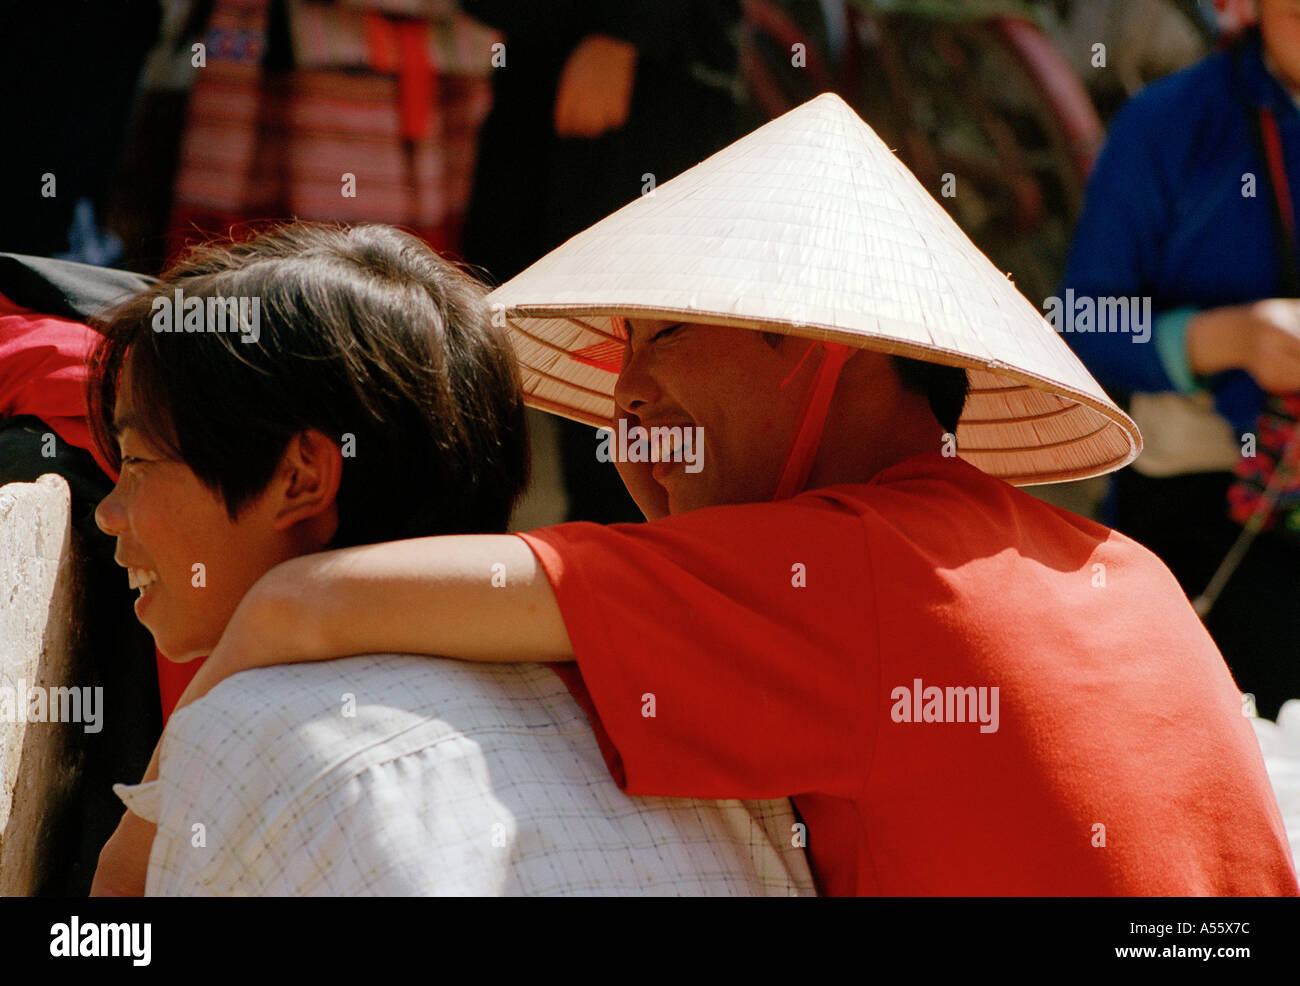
(811,226)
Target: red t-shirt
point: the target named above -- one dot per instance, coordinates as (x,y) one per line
(790,648)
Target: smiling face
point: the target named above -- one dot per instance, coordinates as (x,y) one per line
(726,381)
(167,523)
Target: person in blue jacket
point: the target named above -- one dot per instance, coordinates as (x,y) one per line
(1189,220)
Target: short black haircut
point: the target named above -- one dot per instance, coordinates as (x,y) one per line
(945,387)
(366,335)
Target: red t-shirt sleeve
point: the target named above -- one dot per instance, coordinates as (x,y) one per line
(729,652)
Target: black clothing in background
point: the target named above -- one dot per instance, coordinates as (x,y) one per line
(534,190)
(1254,622)
(68,72)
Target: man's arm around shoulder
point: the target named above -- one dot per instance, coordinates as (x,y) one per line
(469,597)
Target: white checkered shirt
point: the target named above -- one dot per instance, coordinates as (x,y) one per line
(398,775)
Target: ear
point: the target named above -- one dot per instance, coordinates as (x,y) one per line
(308,476)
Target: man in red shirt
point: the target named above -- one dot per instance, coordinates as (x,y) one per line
(965,690)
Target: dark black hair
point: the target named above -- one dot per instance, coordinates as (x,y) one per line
(366,335)
(945,387)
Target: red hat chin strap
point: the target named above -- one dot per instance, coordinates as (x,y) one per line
(812,418)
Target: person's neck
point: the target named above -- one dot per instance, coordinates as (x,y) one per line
(861,440)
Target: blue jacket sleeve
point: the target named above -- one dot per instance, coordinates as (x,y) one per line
(1116,251)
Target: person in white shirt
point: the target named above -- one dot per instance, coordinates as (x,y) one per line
(318,388)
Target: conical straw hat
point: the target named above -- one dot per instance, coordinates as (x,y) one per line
(811,226)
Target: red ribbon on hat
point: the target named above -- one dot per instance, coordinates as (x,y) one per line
(607,355)
(812,417)
(798,465)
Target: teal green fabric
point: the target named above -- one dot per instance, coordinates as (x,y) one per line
(1169,333)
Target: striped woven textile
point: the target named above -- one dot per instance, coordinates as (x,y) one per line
(346,36)
(377,122)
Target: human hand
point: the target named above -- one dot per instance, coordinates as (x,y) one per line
(123,867)
(124,861)
(254,636)
(1262,338)
(595,89)
(1275,345)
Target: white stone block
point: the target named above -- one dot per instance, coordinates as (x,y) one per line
(38,615)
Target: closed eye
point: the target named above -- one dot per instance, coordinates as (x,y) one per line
(666,331)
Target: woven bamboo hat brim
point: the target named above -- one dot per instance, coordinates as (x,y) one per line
(812,227)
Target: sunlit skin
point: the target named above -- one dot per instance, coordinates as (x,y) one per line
(167,522)
(728,381)
(1261,337)
(724,380)
(690,375)
(1279,25)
